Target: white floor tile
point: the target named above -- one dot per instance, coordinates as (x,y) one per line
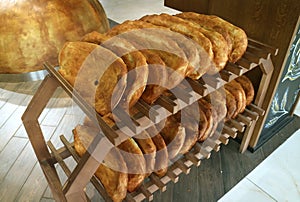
(120,11)
(246,191)
(278,175)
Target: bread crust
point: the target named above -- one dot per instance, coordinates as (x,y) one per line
(207,109)
(135,62)
(218,101)
(237,35)
(148,148)
(156,41)
(239,94)
(248,88)
(194,53)
(189,118)
(217,45)
(111,173)
(102,72)
(162,157)
(174,135)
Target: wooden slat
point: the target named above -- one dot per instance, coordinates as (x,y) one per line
(267,48)
(227,76)
(212,81)
(224,140)
(235,124)
(190,156)
(235,69)
(251,114)
(229,131)
(183,95)
(167,103)
(61,162)
(146,109)
(202,150)
(180,164)
(256,109)
(243,62)
(244,119)
(93,180)
(259,52)
(142,189)
(155,179)
(197,87)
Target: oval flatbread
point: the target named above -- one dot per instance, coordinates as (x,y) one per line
(237,35)
(248,88)
(96,73)
(114,181)
(137,70)
(238,92)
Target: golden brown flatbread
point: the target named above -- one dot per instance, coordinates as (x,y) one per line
(217,43)
(155,40)
(231,106)
(238,92)
(135,61)
(207,109)
(218,101)
(237,35)
(148,148)
(189,119)
(109,172)
(157,77)
(195,54)
(95,72)
(133,157)
(161,158)
(248,88)
(174,135)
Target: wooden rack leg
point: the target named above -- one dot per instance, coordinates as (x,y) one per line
(85,169)
(35,135)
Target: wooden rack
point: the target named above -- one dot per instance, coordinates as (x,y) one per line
(256,56)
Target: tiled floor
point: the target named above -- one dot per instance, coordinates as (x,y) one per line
(277,178)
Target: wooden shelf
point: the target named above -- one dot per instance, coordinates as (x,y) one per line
(185,94)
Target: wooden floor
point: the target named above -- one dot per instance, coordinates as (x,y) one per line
(21,178)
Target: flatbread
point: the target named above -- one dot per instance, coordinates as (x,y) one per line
(174,135)
(148,148)
(114,181)
(96,73)
(218,101)
(237,35)
(238,92)
(195,54)
(189,118)
(231,106)
(134,60)
(212,42)
(156,41)
(161,158)
(133,157)
(207,109)
(248,88)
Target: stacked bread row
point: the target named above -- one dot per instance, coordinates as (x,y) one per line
(143,59)
(152,151)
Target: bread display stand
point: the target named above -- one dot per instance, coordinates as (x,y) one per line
(256,56)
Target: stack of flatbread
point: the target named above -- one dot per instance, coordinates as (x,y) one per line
(143,59)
